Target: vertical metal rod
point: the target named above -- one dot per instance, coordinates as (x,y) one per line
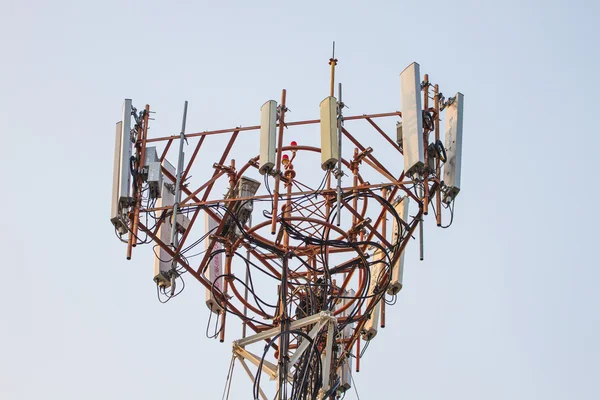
(358,326)
(384,194)
(284,338)
(424,191)
(333,63)
(278,162)
(174,236)
(328,214)
(438,171)
(228,257)
(328,354)
(246,285)
(339,164)
(130,235)
(141,163)
(358,348)
(288,212)
(421,251)
(137,186)
(355,184)
(426,131)
(178,180)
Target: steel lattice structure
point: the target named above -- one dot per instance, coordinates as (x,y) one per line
(311,276)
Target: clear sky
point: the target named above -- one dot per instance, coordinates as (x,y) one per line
(505,305)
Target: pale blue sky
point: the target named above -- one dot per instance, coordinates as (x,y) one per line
(505,305)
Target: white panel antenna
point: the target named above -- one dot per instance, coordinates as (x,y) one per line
(412,119)
(345,370)
(268,136)
(370,327)
(329,141)
(345,374)
(454,128)
(401,208)
(245,187)
(347,332)
(153,172)
(163,260)
(215,267)
(126,145)
(121,170)
(115,211)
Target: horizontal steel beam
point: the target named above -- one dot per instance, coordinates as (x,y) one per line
(257,127)
(301,323)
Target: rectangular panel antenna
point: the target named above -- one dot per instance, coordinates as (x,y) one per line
(412,119)
(347,332)
(454,128)
(163,260)
(183,223)
(345,370)
(345,374)
(215,267)
(329,126)
(126,145)
(268,136)
(153,172)
(116,216)
(370,327)
(151,155)
(401,208)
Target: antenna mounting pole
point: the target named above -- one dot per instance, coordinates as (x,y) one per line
(333,63)
(174,237)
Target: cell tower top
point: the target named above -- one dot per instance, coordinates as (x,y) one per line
(298,249)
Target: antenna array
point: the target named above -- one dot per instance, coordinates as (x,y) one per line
(310,278)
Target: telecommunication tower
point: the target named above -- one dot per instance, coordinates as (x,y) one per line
(306,260)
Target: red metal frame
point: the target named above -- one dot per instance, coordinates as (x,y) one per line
(310,218)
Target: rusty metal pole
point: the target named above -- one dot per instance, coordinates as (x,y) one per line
(424,194)
(141,163)
(355,184)
(244,323)
(438,198)
(338,172)
(228,258)
(284,339)
(329,197)
(289,174)
(137,187)
(425,144)
(358,314)
(278,162)
(384,193)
